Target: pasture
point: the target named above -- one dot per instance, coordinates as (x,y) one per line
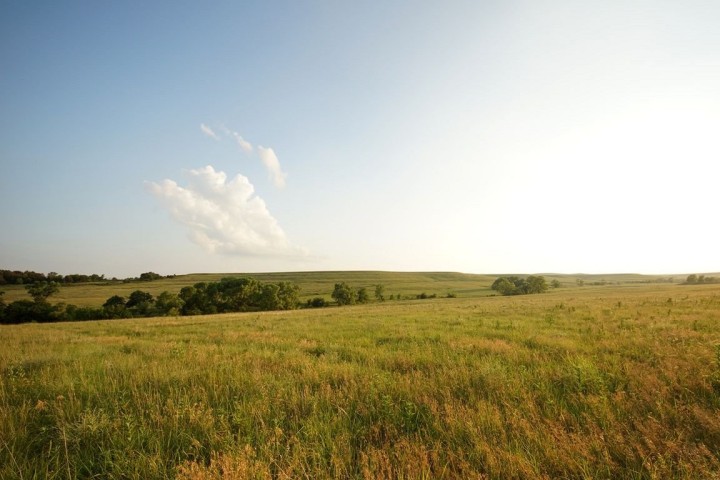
(601,382)
(313,284)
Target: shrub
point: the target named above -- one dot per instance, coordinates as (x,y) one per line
(316,302)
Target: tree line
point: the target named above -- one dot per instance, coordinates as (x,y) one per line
(695,279)
(513,285)
(345,294)
(28,277)
(230,294)
(16,277)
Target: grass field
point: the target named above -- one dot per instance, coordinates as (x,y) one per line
(321,284)
(312,284)
(602,382)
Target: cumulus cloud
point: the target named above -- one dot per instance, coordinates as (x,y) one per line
(224,216)
(272,165)
(208,132)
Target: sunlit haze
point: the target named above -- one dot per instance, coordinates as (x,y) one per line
(473,136)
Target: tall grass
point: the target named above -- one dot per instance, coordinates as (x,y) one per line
(611,383)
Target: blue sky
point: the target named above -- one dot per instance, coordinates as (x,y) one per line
(543,136)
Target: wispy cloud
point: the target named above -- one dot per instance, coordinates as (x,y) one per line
(208,132)
(272,165)
(224,216)
(242,143)
(267,155)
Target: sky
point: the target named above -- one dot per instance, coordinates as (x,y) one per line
(473,136)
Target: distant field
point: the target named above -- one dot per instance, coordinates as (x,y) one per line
(595,382)
(321,284)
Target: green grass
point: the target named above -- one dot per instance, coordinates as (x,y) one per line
(612,382)
(321,284)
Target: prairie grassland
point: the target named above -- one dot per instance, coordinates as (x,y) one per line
(312,284)
(316,284)
(613,382)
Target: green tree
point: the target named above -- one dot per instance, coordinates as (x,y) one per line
(343,294)
(380,292)
(150,276)
(514,285)
(141,304)
(22,311)
(362,295)
(40,291)
(75,313)
(289,295)
(168,304)
(504,286)
(137,297)
(691,279)
(197,299)
(54,277)
(535,284)
(555,283)
(2,306)
(186,293)
(114,307)
(269,298)
(236,294)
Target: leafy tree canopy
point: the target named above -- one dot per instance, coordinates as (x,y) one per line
(514,285)
(40,291)
(343,294)
(362,295)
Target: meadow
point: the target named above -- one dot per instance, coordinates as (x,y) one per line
(312,284)
(618,381)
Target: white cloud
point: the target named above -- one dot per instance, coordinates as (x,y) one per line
(208,131)
(244,144)
(272,164)
(267,155)
(224,216)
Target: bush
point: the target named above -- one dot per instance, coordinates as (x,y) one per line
(81,314)
(316,302)
(23,311)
